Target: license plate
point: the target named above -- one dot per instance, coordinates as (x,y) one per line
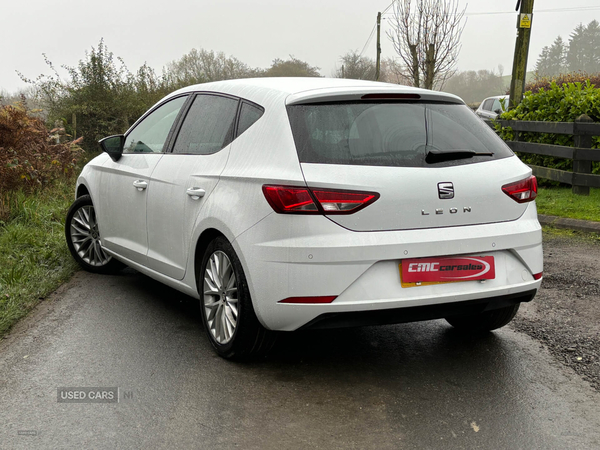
(421,271)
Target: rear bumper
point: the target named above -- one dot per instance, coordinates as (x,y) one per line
(309,256)
(415,313)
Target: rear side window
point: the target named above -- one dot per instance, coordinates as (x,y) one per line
(248,115)
(390,134)
(487,105)
(208,125)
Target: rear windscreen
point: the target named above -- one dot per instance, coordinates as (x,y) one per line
(391,134)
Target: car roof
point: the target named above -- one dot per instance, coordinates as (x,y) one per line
(311,89)
(496,97)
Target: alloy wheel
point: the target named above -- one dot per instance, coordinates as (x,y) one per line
(86,237)
(220,298)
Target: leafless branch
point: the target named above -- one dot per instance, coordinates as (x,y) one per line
(426,35)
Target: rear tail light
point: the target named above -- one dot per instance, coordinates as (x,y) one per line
(538,276)
(522,191)
(290,199)
(303,200)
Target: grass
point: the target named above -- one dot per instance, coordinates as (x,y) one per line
(34,259)
(559,201)
(564,233)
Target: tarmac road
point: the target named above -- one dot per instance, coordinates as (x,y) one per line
(403,386)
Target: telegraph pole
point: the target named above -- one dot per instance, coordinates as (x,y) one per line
(519,70)
(378,61)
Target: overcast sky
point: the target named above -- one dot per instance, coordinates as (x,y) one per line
(254,31)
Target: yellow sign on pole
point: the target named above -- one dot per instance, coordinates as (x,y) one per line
(525,21)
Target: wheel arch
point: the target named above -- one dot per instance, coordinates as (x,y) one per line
(82,190)
(205,238)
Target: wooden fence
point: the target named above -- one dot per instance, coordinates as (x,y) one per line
(582,154)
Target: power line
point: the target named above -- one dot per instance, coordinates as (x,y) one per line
(368,40)
(553,10)
(389,6)
(373,29)
(487,13)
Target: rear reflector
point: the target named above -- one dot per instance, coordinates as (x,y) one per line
(538,276)
(522,191)
(297,200)
(305,300)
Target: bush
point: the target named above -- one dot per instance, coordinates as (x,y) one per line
(574,77)
(101,94)
(558,103)
(28,158)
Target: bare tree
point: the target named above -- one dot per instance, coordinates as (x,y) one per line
(426,35)
(394,72)
(473,86)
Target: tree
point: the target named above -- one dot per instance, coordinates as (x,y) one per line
(356,67)
(473,86)
(292,67)
(392,71)
(202,66)
(575,52)
(100,92)
(552,60)
(426,36)
(584,48)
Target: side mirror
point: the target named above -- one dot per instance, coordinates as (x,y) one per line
(498,111)
(113,145)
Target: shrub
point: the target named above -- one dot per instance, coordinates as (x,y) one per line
(574,77)
(100,93)
(28,158)
(558,103)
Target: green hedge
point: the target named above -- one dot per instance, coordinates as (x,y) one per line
(564,103)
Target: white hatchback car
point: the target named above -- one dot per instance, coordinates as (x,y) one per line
(298,203)
(492,107)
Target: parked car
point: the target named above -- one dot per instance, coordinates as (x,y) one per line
(491,107)
(302,203)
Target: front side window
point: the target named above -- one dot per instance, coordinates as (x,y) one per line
(208,126)
(392,134)
(498,105)
(150,135)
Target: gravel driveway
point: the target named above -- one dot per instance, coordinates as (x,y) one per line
(565,315)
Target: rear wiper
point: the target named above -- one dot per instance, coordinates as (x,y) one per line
(434,155)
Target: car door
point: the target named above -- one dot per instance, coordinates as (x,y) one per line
(125,183)
(185,178)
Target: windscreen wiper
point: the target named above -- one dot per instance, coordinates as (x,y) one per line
(434,155)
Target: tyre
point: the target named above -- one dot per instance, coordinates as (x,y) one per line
(485,321)
(226,307)
(83,238)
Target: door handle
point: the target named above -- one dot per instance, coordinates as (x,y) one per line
(195,192)
(140,185)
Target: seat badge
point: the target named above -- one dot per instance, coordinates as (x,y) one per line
(445,190)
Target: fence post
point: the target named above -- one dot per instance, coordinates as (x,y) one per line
(579,165)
